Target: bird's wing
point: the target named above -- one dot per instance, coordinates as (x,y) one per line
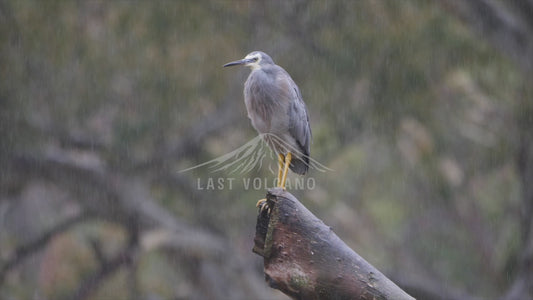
(299,126)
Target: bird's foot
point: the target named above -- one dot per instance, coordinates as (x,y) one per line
(263,204)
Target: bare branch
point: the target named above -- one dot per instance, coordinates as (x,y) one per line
(89,285)
(304,259)
(108,267)
(24,251)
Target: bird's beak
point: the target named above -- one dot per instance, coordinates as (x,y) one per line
(238,62)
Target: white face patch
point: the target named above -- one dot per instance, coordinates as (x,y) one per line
(254,64)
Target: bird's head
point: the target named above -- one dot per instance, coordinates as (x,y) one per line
(254,60)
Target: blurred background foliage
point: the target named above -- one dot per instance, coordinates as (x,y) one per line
(103,102)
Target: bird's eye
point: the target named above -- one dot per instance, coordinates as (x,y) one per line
(256,58)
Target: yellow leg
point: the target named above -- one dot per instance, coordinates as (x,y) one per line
(288,158)
(281,159)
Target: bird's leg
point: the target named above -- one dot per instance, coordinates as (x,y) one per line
(288,159)
(281,159)
(262,203)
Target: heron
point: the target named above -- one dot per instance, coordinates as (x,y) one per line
(278,113)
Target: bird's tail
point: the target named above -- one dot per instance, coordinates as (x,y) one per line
(300,165)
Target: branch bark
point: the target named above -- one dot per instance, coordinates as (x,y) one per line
(305,259)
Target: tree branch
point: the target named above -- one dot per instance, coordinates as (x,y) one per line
(108,267)
(304,259)
(127,201)
(23,251)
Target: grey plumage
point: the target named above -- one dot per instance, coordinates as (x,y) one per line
(276,109)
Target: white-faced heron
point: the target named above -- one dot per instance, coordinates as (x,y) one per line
(278,112)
